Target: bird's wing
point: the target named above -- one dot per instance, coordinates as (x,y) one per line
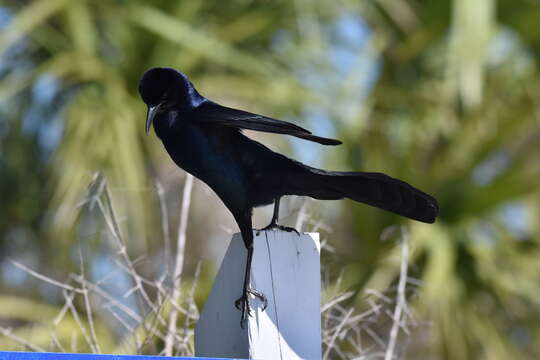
(210,112)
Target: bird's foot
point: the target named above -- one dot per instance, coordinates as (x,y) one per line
(242,304)
(275,226)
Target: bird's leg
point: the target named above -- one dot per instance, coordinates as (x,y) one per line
(242,303)
(273,223)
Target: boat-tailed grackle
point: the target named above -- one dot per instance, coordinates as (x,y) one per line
(205,139)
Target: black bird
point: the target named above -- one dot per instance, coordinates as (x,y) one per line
(205,139)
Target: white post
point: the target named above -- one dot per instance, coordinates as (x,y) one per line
(286,268)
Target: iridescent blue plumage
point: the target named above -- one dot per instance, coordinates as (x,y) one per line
(205,139)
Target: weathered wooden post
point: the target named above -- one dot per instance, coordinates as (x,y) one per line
(286,268)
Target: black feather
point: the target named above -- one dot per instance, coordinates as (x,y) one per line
(211,113)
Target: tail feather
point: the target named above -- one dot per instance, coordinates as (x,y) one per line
(374,189)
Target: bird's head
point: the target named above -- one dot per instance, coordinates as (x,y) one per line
(162,89)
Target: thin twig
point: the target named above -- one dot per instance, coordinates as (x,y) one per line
(374,336)
(56,342)
(179,263)
(75,314)
(45,278)
(164,226)
(88,308)
(192,312)
(8,333)
(337,300)
(113,302)
(400,303)
(302,214)
(112,223)
(336,333)
(118,317)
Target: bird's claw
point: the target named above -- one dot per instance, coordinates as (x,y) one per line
(274,226)
(288,229)
(242,304)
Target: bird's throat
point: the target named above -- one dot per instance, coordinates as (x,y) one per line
(166,123)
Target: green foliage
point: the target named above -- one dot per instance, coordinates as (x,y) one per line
(453,111)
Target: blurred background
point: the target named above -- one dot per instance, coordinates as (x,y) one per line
(444,94)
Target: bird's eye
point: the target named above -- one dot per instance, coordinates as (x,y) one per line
(168,97)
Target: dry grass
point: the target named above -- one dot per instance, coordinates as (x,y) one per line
(163,320)
(373,332)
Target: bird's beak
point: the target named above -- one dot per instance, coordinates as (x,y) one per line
(150,115)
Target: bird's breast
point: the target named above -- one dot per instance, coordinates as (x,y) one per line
(207,156)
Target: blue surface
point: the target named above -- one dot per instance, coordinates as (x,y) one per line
(7,355)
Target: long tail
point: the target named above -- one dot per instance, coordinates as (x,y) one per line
(374,189)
